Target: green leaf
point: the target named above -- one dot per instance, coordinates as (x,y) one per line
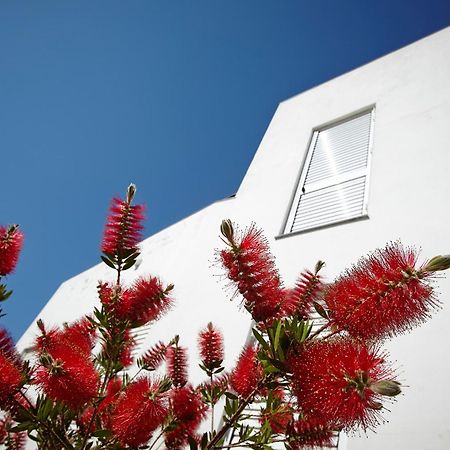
(4,293)
(270,369)
(276,340)
(278,364)
(260,339)
(192,443)
(27,425)
(306,331)
(33,438)
(129,263)
(102,433)
(108,262)
(130,252)
(204,441)
(231,396)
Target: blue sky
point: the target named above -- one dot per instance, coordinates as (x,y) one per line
(172,95)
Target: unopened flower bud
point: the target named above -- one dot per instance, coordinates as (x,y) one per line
(319,266)
(226,228)
(377,406)
(169,288)
(131,191)
(41,325)
(441,262)
(389,388)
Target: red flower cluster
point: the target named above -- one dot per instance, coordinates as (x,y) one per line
(12,440)
(188,411)
(138,412)
(126,354)
(251,267)
(278,419)
(11,375)
(11,240)
(247,373)
(341,382)
(309,434)
(155,356)
(299,300)
(123,227)
(145,301)
(80,336)
(383,295)
(67,373)
(177,365)
(104,409)
(211,347)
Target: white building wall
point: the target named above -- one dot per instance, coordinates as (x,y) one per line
(408,199)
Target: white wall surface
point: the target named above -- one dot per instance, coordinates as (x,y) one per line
(408,200)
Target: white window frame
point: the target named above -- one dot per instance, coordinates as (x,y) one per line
(330,181)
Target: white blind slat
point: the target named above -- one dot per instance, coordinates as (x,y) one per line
(340,149)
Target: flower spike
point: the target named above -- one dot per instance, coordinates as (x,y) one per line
(123,227)
(383,295)
(211,347)
(140,410)
(11,240)
(342,381)
(251,267)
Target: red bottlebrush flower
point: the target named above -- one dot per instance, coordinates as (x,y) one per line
(7,347)
(14,440)
(177,365)
(66,373)
(247,373)
(146,301)
(11,375)
(211,347)
(139,412)
(341,382)
(154,357)
(189,411)
(278,419)
(123,227)
(11,240)
(187,405)
(126,354)
(309,434)
(17,441)
(251,267)
(383,295)
(106,293)
(299,300)
(104,408)
(79,336)
(9,380)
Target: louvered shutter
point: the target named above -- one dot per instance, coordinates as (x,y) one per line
(333,183)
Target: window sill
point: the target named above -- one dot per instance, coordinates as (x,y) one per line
(321,227)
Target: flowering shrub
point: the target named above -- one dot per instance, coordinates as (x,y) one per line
(311,378)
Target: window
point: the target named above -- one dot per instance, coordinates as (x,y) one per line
(333,183)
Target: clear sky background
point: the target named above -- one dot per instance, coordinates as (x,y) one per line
(172,95)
